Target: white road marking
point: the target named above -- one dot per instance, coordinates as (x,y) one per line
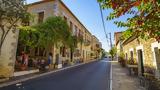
(111,77)
(18,84)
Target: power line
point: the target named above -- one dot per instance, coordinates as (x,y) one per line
(104,28)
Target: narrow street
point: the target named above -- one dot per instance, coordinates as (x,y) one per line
(92,76)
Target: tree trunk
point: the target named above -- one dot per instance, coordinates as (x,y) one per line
(1,40)
(71,57)
(44,52)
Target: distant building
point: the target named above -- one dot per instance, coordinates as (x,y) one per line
(96,48)
(118,43)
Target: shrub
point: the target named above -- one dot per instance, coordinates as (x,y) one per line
(132,61)
(122,61)
(149,69)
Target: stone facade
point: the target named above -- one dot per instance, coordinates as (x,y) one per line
(118,43)
(8,54)
(58,8)
(133,45)
(50,8)
(95,47)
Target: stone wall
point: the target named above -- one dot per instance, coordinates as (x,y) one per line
(147,52)
(57,8)
(8,55)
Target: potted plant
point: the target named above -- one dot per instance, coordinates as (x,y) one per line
(132,66)
(149,71)
(132,62)
(121,59)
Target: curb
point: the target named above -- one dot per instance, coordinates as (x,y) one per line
(21,73)
(111,77)
(43,74)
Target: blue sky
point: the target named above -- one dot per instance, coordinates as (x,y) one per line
(87,11)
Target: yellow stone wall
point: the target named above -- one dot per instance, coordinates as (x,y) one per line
(47,7)
(8,54)
(62,10)
(147,52)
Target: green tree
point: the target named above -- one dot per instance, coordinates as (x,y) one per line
(12,12)
(145,22)
(29,36)
(52,31)
(113,52)
(104,53)
(72,45)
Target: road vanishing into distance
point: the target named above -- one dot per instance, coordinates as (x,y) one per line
(91,76)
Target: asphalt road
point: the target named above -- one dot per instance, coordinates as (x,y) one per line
(91,76)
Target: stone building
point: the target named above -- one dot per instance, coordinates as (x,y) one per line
(96,47)
(42,10)
(118,43)
(146,52)
(46,8)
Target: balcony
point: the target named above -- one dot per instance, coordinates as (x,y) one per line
(97,46)
(87,42)
(92,48)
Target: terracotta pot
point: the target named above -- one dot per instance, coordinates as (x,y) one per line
(23,67)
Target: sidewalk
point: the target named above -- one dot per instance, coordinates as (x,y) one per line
(122,81)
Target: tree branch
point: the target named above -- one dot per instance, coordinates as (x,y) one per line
(1,42)
(6,33)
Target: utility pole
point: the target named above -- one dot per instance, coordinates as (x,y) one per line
(104,28)
(110,38)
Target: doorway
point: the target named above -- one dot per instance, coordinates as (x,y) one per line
(140,62)
(157,58)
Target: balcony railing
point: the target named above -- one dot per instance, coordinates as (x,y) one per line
(97,45)
(87,42)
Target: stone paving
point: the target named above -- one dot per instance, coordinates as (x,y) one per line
(121,79)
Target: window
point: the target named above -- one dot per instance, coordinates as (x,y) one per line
(75,32)
(63,51)
(71,26)
(131,53)
(65,18)
(156,56)
(80,33)
(126,56)
(40,17)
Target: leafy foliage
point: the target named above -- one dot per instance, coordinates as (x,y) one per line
(52,31)
(113,51)
(145,22)
(11,13)
(28,36)
(132,61)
